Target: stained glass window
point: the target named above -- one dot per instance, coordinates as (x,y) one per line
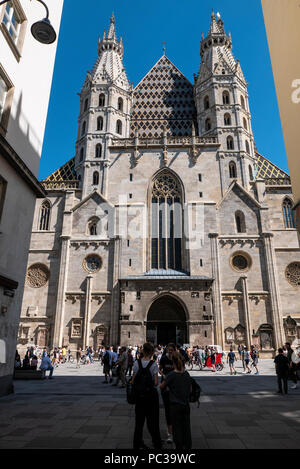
(166,226)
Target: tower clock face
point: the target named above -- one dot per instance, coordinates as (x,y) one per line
(92,263)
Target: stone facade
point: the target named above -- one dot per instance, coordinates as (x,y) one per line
(225,269)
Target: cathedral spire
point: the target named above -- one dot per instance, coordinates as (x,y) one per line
(112,29)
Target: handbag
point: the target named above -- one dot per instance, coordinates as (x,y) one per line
(130,394)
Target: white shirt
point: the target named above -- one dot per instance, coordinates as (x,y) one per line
(153,368)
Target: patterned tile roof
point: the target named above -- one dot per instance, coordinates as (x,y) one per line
(267,170)
(163,99)
(65,173)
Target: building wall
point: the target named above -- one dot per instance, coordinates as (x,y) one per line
(29,69)
(32,79)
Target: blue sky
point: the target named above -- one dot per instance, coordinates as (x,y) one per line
(144,26)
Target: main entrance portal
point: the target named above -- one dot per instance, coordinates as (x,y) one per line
(166,322)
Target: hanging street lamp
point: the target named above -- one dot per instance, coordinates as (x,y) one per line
(42,30)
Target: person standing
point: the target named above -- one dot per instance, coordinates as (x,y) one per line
(107,365)
(240,351)
(179,384)
(292,370)
(122,365)
(282,371)
(166,366)
(129,362)
(78,357)
(231,358)
(145,381)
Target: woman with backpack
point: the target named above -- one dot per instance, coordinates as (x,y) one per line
(179,384)
(145,380)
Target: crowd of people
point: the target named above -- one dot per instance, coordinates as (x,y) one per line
(142,366)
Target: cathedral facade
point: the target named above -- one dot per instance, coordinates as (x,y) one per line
(167,225)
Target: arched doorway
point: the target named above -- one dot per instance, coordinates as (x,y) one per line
(166,322)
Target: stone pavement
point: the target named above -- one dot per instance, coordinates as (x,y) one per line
(76,410)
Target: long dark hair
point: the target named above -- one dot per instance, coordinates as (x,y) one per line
(177,361)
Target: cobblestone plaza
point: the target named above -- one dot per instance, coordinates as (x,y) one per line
(76,410)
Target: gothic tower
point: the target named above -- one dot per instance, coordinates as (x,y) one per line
(222,106)
(105,106)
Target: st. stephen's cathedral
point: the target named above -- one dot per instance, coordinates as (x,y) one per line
(211,254)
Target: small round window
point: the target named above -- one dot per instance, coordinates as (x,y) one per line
(292,274)
(240,262)
(92,263)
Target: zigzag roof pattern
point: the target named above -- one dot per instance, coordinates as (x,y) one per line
(163,100)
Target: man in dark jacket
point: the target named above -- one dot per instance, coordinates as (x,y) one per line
(282,371)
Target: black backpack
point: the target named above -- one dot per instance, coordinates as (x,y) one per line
(106,358)
(195,392)
(143,386)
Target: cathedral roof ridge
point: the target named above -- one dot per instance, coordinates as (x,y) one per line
(235,183)
(89,196)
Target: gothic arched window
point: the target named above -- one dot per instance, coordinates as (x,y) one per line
(45,216)
(232,170)
(230,143)
(119,127)
(226,97)
(120,104)
(288,216)
(102,100)
(83,129)
(86,103)
(240,222)
(98,150)
(206,102)
(166,222)
(100,123)
(207,125)
(245,124)
(95,178)
(227,119)
(243,102)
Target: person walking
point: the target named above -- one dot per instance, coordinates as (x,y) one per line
(166,366)
(282,371)
(213,359)
(145,381)
(231,358)
(254,355)
(179,384)
(246,360)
